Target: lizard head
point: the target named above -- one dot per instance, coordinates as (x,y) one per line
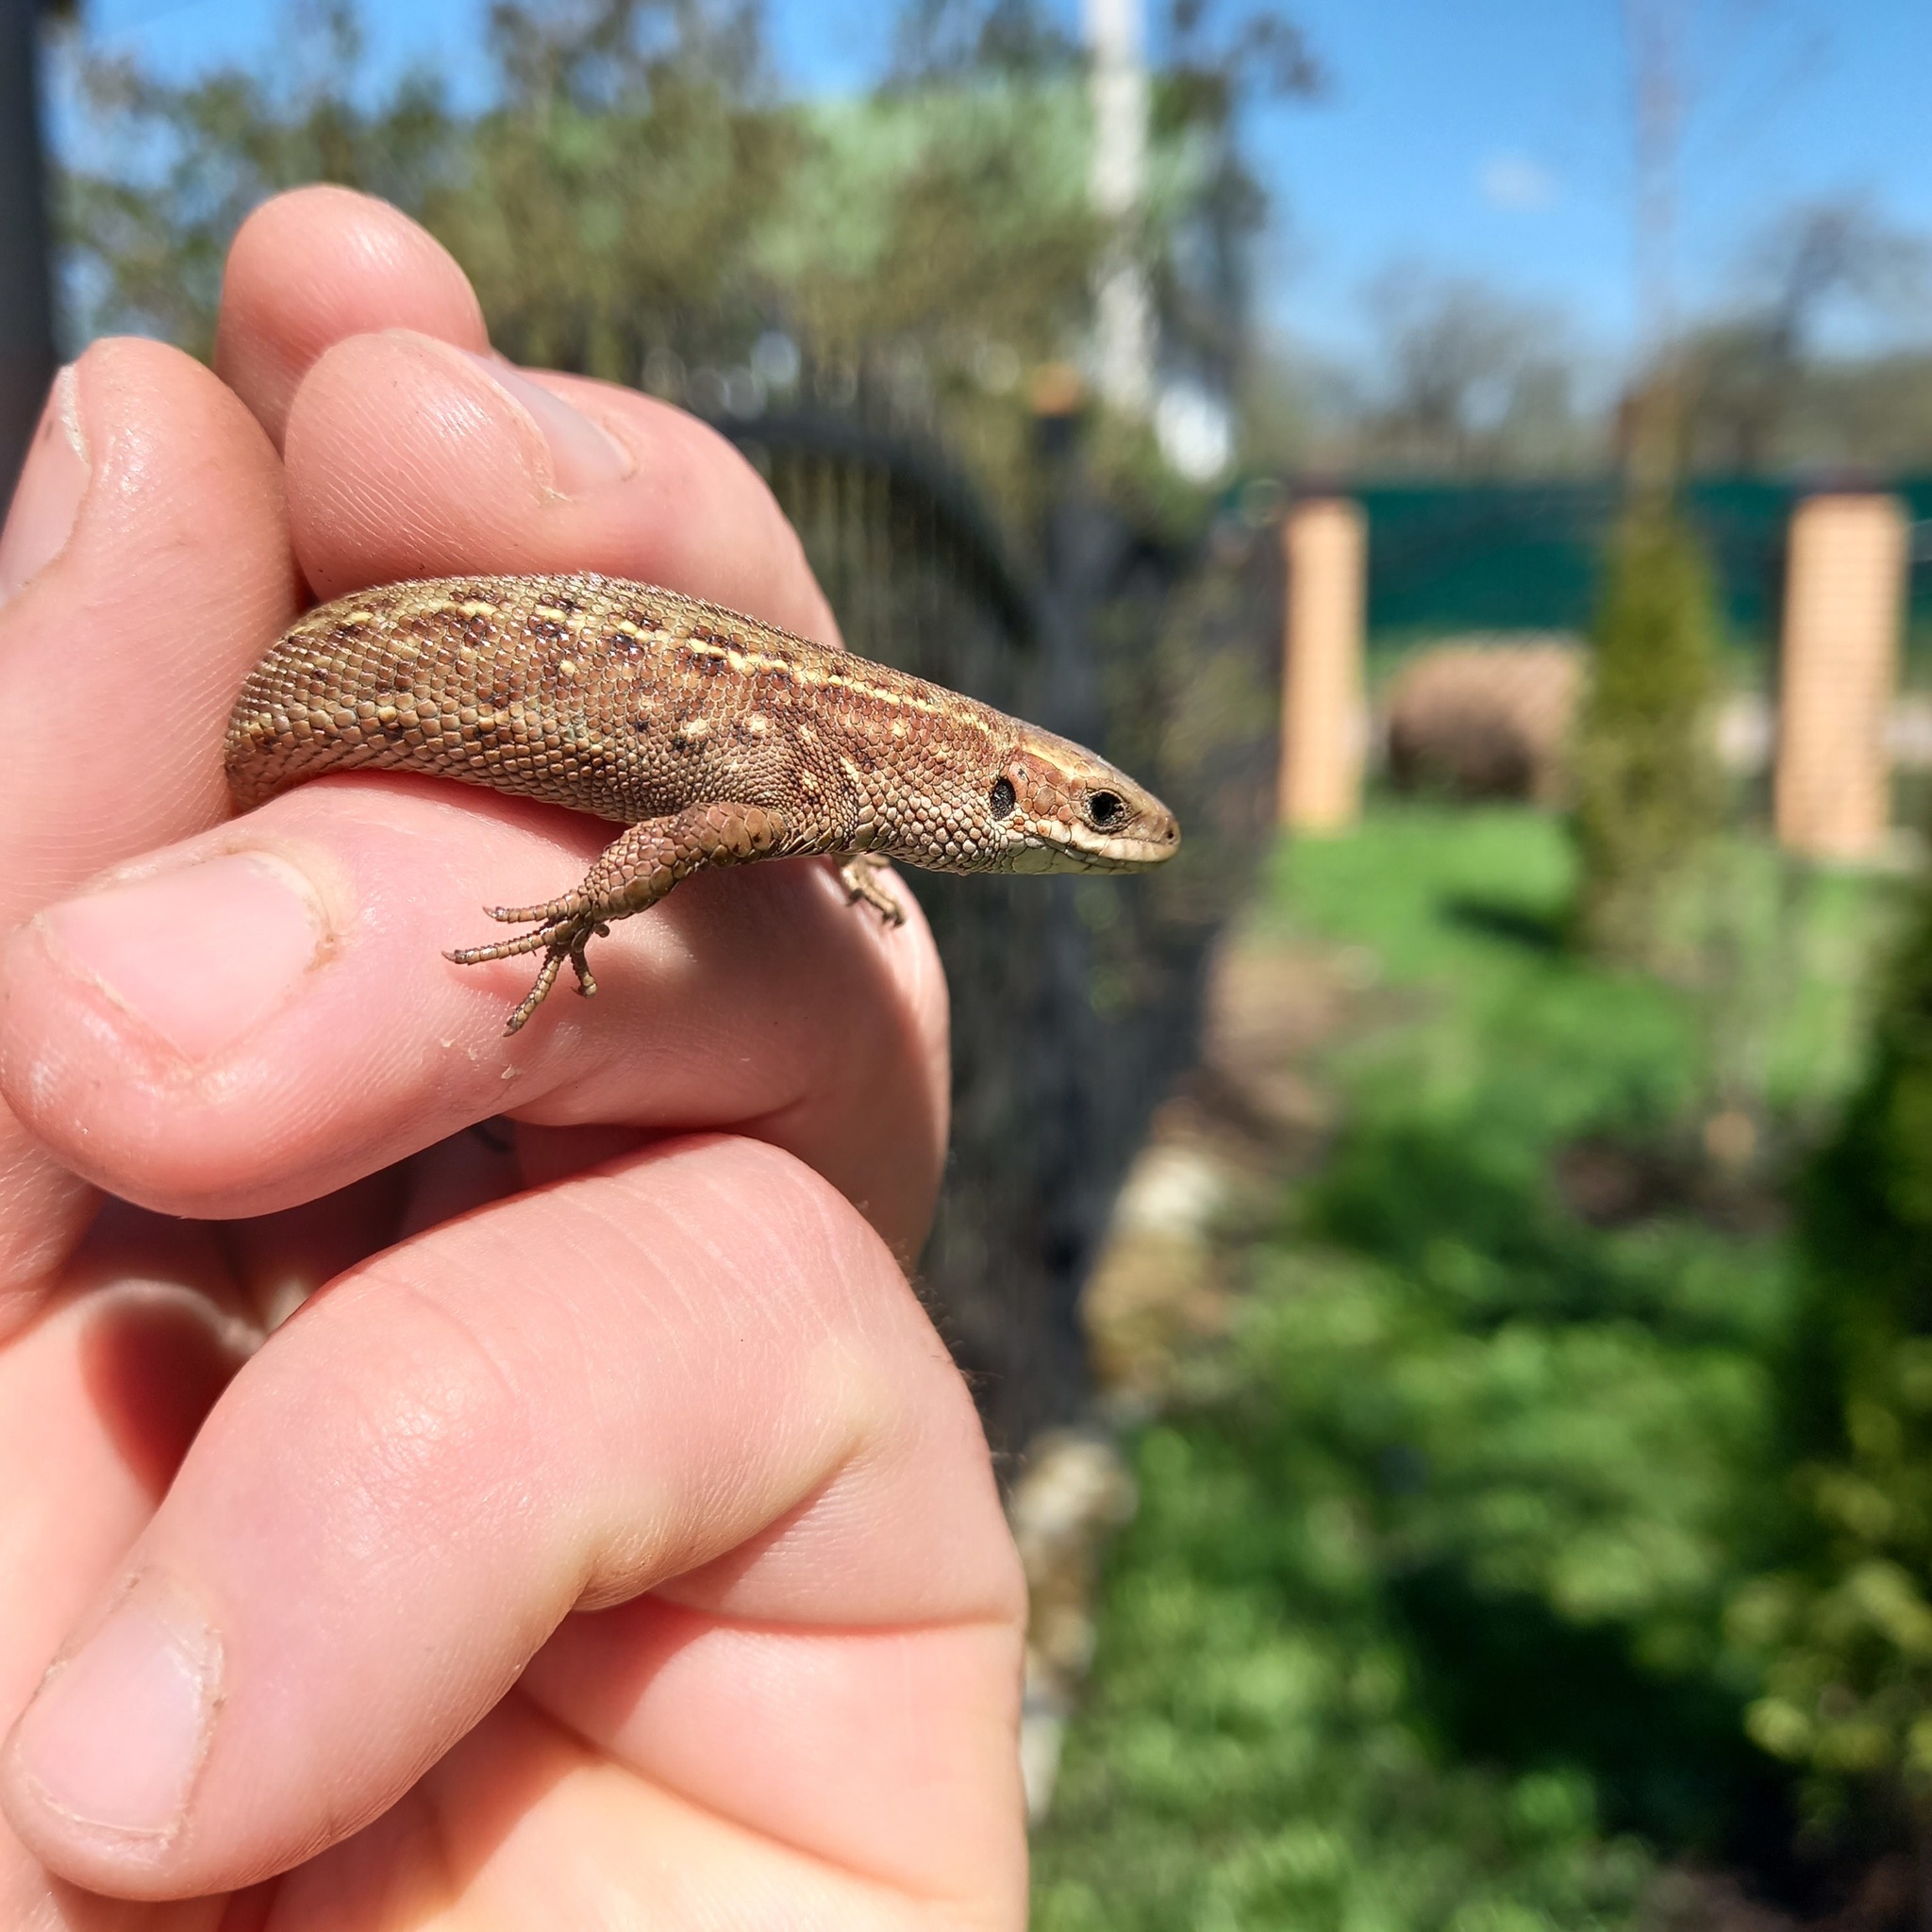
(1057,807)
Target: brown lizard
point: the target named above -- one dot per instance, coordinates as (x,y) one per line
(715,738)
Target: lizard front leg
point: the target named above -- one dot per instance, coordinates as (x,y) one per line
(859,876)
(635,872)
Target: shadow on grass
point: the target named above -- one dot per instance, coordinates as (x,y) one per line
(1513,922)
(1484,1212)
(1503,1680)
(1468,1208)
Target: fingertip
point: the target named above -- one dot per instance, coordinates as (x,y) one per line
(317,265)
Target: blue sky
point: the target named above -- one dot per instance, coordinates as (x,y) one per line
(1482,137)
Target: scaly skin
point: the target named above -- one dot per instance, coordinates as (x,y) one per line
(714,737)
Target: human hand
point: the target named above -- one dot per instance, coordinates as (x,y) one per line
(608,1539)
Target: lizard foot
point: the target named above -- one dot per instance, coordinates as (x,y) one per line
(565,929)
(859,877)
(638,868)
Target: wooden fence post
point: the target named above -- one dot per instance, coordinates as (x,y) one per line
(1324,545)
(1845,585)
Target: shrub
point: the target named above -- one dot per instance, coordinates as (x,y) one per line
(1845,1627)
(1647,791)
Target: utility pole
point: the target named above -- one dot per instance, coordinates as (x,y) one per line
(1124,306)
(27,283)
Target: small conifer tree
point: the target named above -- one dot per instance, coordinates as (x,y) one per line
(1844,1629)
(1646,786)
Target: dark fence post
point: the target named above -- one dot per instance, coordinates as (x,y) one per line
(27,283)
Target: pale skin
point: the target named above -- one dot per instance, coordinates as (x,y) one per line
(607,1539)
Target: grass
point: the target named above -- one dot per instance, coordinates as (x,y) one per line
(1420,1623)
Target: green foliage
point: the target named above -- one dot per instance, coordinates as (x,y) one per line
(1845,1625)
(940,246)
(604,203)
(608,202)
(1260,1753)
(1647,793)
(958,212)
(147,235)
(1421,1622)
(635,203)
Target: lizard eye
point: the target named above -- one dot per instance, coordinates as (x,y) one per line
(1002,800)
(1104,808)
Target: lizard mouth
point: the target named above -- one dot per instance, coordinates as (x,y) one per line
(1065,809)
(1152,839)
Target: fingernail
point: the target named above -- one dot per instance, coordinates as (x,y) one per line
(583,454)
(53,481)
(199,955)
(117,1732)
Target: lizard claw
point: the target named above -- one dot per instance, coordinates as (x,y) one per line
(558,938)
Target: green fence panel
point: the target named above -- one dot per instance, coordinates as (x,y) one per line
(1448,558)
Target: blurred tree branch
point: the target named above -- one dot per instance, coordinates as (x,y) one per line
(1471,381)
(1761,386)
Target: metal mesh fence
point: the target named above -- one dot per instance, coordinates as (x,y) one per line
(1074,1001)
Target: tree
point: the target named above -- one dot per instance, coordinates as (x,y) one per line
(609,202)
(634,201)
(1844,1629)
(1756,380)
(1647,793)
(1203,207)
(145,235)
(1647,789)
(606,198)
(1472,381)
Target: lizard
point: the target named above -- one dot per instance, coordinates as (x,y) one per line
(714,738)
